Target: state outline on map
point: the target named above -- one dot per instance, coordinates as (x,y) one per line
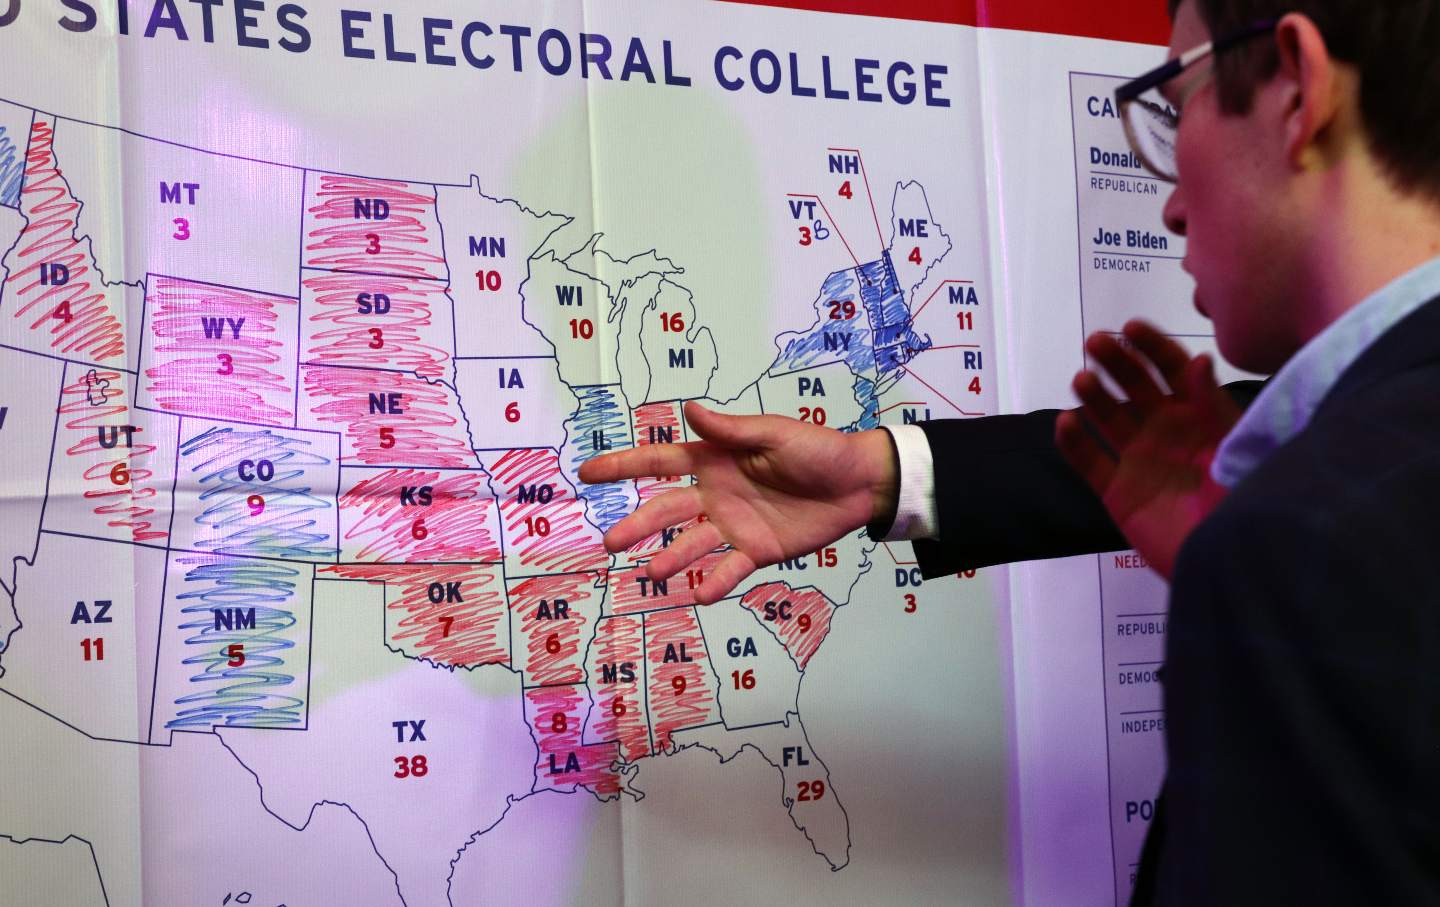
(113,296)
(94,860)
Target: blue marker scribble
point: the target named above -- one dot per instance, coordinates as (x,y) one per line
(227,603)
(840,334)
(258,496)
(869,404)
(12,170)
(896,343)
(600,412)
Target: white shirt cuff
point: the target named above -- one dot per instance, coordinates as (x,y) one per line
(916,516)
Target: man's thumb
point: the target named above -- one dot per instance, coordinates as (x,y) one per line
(727,430)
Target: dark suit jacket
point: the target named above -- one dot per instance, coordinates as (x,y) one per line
(1302,676)
(1005,494)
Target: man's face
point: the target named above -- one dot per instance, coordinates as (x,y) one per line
(1229,205)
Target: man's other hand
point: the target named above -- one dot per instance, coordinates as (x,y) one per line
(770,487)
(1155,479)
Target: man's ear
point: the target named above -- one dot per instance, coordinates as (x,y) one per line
(1309,89)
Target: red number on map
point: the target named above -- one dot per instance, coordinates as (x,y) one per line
(552,643)
(967,323)
(374,244)
(803,622)
(581,328)
(811,790)
(446,623)
(418,529)
(826,557)
(512,412)
(120,474)
(805,239)
(182,228)
(558,723)
(846,191)
(674,322)
(914,255)
(974,387)
(910,603)
(377,339)
(694,577)
(62,311)
(235,652)
(617,708)
(256,503)
(537,525)
(744,681)
(488,280)
(842,310)
(227,364)
(679,684)
(411,767)
(387,437)
(816,415)
(93,647)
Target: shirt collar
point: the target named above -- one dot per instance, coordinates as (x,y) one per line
(1288,401)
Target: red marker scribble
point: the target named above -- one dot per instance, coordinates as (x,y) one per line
(632,592)
(92,407)
(389,418)
(617,677)
(799,618)
(556,716)
(76,317)
(655,423)
(543,522)
(450,614)
(682,683)
(219,352)
(384,517)
(552,620)
(379,321)
(371,225)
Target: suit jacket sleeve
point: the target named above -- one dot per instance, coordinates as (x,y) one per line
(1004,493)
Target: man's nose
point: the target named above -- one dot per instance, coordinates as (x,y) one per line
(1174,212)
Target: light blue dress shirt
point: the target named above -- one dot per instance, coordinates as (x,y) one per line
(1288,401)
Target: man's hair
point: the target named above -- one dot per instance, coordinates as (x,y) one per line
(1394,44)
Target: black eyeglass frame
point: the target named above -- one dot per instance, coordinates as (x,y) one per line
(1131,91)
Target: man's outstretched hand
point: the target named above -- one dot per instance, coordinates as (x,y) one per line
(1157,485)
(770,487)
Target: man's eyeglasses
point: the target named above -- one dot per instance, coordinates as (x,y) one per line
(1150,121)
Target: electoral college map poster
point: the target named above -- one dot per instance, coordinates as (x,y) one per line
(310,313)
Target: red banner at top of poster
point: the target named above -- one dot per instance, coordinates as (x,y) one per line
(1141,21)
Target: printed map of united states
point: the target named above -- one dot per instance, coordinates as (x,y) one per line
(242,384)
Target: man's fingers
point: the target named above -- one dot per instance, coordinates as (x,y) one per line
(1200,385)
(1115,425)
(723,577)
(1170,358)
(1083,452)
(745,432)
(695,541)
(638,462)
(669,509)
(1127,370)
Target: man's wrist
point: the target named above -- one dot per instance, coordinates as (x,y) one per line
(882,465)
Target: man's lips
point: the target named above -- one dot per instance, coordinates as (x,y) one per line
(1185,266)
